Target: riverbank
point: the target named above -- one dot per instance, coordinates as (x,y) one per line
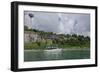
(30,46)
(86,49)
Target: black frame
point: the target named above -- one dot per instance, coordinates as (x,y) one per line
(14,35)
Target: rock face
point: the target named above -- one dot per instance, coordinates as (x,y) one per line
(30,36)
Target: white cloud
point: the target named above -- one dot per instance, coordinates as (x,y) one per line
(66,23)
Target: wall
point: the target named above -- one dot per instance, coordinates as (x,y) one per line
(5,36)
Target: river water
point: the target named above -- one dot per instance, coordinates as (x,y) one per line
(55,54)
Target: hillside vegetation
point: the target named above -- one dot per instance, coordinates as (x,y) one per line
(63,41)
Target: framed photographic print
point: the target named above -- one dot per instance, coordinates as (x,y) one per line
(52,36)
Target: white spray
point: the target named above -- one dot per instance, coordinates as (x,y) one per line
(61,25)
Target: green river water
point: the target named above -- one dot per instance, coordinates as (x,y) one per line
(55,54)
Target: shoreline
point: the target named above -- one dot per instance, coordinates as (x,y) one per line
(61,49)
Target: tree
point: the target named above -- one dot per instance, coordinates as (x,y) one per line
(74,35)
(80,37)
(68,35)
(49,42)
(25,27)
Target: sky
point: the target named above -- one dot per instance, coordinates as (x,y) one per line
(59,23)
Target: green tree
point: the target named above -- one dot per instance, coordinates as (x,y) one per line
(74,35)
(25,27)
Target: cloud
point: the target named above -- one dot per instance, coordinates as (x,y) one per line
(60,23)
